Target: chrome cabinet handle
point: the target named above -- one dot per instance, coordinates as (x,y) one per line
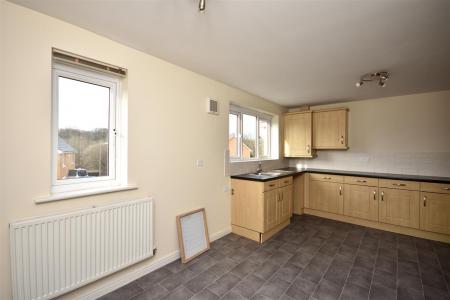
(399,184)
(424,201)
(308,149)
(374,195)
(326,177)
(382,196)
(272,184)
(340,191)
(361,181)
(232,191)
(342,139)
(446,189)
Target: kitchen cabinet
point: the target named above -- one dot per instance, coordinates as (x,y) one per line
(399,207)
(329,129)
(435,212)
(325,195)
(298,134)
(361,201)
(260,209)
(284,209)
(298,196)
(270,209)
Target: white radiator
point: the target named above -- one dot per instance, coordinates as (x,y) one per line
(53,255)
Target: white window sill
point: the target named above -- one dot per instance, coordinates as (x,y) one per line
(84,193)
(251,160)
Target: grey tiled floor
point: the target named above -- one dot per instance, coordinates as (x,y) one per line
(313,258)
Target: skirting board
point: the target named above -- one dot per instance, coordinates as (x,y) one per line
(299,212)
(131,276)
(380,226)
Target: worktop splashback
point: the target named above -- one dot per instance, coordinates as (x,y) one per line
(413,163)
(236,168)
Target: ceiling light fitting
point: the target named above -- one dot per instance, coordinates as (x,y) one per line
(381,77)
(201,5)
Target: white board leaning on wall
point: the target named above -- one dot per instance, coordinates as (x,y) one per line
(193,236)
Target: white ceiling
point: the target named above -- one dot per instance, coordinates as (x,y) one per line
(291,52)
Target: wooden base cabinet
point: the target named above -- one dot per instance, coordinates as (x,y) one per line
(361,202)
(260,209)
(420,209)
(284,209)
(435,212)
(399,207)
(270,209)
(326,196)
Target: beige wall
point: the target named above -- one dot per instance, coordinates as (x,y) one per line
(167,119)
(407,134)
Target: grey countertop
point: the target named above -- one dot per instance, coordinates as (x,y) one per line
(295,171)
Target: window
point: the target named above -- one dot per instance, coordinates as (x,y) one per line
(87,129)
(249,134)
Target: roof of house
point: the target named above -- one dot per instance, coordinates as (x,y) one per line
(63,146)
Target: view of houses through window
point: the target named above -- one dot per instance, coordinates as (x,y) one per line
(83,129)
(249,135)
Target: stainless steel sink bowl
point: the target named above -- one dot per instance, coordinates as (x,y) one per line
(267,174)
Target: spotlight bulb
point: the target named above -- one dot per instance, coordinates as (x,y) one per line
(201,5)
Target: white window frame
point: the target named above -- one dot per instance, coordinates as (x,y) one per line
(240,111)
(117,164)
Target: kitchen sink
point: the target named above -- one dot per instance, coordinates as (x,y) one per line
(270,173)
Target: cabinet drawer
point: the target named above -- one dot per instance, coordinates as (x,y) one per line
(361,180)
(400,184)
(285,181)
(270,185)
(443,188)
(327,177)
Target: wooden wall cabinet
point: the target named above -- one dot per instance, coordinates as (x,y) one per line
(298,134)
(330,129)
(260,209)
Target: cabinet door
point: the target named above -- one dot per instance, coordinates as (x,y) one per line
(247,204)
(435,212)
(270,209)
(361,202)
(298,196)
(284,204)
(330,129)
(326,196)
(399,207)
(297,134)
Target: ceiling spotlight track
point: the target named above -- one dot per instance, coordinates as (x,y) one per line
(201,5)
(381,77)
